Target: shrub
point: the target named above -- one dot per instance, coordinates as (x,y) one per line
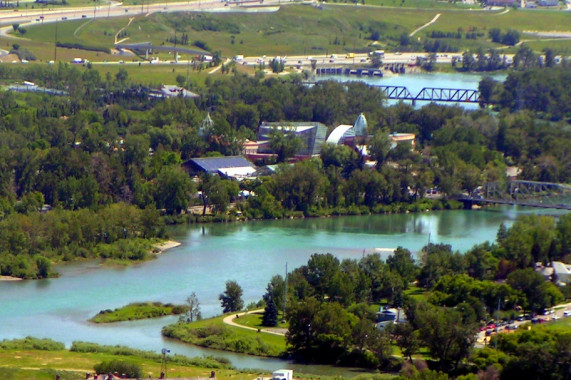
(29,343)
(131,370)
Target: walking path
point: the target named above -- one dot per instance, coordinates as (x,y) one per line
(123,28)
(425,25)
(218,68)
(502,13)
(229,320)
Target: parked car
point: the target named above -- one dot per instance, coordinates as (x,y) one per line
(567,313)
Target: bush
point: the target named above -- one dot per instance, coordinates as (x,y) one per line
(70,45)
(206,362)
(29,343)
(131,370)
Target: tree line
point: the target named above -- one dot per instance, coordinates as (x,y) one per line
(110,143)
(447,296)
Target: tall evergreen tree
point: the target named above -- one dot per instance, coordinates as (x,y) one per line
(270,317)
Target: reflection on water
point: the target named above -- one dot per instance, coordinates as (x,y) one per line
(250,253)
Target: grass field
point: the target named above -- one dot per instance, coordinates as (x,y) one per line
(563,324)
(299,29)
(255,320)
(213,333)
(35,364)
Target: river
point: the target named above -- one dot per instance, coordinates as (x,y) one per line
(415,82)
(250,253)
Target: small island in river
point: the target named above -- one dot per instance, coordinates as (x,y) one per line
(136,311)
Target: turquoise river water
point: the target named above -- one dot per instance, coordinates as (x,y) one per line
(250,253)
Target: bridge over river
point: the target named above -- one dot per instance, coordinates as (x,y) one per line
(432,94)
(427,94)
(523,193)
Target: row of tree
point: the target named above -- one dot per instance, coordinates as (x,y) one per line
(331,304)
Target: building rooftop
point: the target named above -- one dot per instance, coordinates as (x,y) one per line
(221,164)
(344,130)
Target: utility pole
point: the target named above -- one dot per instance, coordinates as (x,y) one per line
(55,44)
(285,295)
(497,320)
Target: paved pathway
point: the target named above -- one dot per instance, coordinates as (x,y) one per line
(229,320)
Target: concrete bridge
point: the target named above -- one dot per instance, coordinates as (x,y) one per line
(522,193)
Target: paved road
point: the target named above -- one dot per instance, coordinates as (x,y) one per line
(557,314)
(35,16)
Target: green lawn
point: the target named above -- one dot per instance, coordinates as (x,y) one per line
(563,324)
(255,320)
(35,364)
(19,360)
(415,292)
(213,333)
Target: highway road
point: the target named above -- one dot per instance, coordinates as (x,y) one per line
(40,15)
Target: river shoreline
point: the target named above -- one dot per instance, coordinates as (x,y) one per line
(165,246)
(10,278)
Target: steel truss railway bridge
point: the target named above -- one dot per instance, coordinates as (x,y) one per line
(431,94)
(523,193)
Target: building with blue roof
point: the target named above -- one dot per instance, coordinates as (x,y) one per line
(235,167)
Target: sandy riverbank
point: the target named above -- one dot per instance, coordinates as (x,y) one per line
(9,278)
(162,247)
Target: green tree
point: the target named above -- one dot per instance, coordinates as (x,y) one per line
(448,337)
(121,76)
(407,339)
(539,293)
(173,189)
(438,260)
(44,266)
(285,145)
(321,269)
(379,147)
(270,316)
(401,262)
(231,299)
(486,89)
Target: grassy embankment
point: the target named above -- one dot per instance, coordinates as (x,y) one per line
(213,333)
(293,30)
(32,358)
(135,311)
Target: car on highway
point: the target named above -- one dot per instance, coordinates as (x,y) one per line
(83,16)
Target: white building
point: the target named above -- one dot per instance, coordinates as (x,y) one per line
(562,272)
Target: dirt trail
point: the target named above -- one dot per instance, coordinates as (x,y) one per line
(425,25)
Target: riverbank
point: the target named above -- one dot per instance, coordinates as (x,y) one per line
(217,334)
(165,246)
(10,278)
